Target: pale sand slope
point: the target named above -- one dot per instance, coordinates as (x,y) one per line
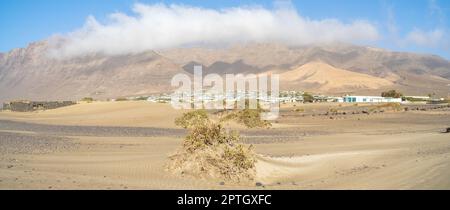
(99,163)
(330,78)
(127,113)
(402,161)
(124,113)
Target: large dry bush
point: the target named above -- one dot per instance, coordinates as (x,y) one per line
(212,151)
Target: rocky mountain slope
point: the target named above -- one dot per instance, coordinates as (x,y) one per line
(29,73)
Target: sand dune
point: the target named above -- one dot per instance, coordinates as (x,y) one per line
(328,78)
(128,113)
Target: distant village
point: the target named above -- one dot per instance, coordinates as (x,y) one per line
(391,96)
(297,97)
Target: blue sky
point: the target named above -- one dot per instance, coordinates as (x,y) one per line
(405,25)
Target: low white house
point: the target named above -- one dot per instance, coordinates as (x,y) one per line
(370,99)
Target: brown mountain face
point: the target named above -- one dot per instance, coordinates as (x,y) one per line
(336,69)
(30,74)
(407,72)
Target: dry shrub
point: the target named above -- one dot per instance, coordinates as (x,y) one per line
(210,134)
(242,157)
(299,110)
(333,111)
(191,119)
(212,152)
(233,164)
(251,118)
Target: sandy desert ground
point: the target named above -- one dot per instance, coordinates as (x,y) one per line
(125,145)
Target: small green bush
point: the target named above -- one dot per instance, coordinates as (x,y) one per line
(121,99)
(141,98)
(87,99)
(392,94)
(308,98)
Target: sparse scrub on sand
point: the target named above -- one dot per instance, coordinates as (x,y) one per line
(387,106)
(392,106)
(212,151)
(333,111)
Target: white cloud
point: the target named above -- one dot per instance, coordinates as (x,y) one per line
(436,11)
(161,26)
(437,38)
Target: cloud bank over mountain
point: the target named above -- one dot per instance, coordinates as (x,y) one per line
(434,38)
(160,26)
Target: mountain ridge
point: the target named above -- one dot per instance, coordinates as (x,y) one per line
(28,73)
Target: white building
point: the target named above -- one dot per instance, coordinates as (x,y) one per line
(370,99)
